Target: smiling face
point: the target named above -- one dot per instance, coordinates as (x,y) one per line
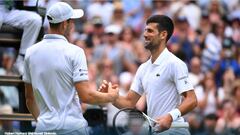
(153,37)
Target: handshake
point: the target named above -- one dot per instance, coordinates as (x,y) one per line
(111,89)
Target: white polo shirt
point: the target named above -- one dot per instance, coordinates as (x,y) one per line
(52,66)
(163,81)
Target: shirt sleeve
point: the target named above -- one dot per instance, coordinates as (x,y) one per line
(26,71)
(80,70)
(181,78)
(137,82)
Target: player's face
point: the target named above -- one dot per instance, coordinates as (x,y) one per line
(152,36)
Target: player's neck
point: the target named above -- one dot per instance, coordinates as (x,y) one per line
(55,31)
(157,52)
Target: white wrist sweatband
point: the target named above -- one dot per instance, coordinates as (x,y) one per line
(175,113)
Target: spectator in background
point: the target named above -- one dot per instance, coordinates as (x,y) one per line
(161,7)
(195,73)
(5,108)
(114,51)
(139,28)
(29,21)
(225,89)
(7,61)
(208,125)
(10,92)
(183,42)
(236,94)
(213,47)
(118,17)
(97,36)
(229,122)
(127,38)
(6,125)
(202,31)
(101,8)
(106,71)
(207,95)
(227,61)
(141,54)
(215,11)
(192,12)
(133,11)
(232,31)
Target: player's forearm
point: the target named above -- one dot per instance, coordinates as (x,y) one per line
(123,102)
(128,101)
(32,107)
(96,97)
(91,96)
(189,103)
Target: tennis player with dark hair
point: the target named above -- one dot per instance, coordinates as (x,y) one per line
(56,77)
(163,78)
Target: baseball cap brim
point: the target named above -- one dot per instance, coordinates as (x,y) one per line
(77,13)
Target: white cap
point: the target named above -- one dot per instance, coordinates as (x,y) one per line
(62,11)
(115,29)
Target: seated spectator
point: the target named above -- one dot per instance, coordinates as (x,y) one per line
(29,21)
(6,125)
(112,49)
(207,95)
(195,73)
(209,125)
(102,8)
(227,61)
(184,42)
(213,47)
(229,122)
(10,92)
(118,17)
(236,94)
(228,79)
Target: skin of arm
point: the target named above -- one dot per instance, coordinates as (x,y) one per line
(30,101)
(188,104)
(90,96)
(128,101)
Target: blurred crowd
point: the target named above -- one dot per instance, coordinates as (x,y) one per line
(206,37)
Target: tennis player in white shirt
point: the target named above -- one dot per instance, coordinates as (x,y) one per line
(56,77)
(163,78)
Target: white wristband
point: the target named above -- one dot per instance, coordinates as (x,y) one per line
(175,114)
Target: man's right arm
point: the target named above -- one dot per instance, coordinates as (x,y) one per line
(90,96)
(128,101)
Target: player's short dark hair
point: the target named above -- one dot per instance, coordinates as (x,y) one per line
(164,23)
(54,25)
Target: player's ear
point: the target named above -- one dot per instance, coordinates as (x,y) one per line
(163,34)
(64,25)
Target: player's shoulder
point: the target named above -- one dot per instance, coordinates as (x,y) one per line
(74,49)
(30,50)
(174,60)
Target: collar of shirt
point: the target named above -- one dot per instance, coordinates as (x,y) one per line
(162,57)
(54,36)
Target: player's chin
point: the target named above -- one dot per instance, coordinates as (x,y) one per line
(148,45)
